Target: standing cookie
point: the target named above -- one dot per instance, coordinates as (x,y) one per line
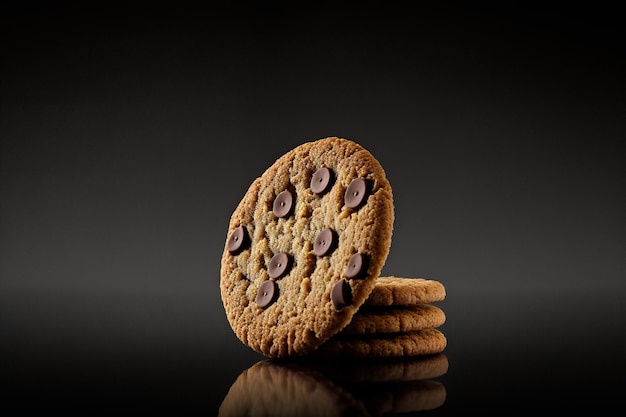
(305,247)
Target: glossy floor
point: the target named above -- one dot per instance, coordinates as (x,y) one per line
(148,352)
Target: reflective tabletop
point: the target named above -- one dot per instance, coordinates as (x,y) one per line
(152,351)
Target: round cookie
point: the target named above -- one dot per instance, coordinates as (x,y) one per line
(397,291)
(392,345)
(305,247)
(395,319)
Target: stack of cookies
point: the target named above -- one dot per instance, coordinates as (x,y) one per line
(300,270)
(398,319)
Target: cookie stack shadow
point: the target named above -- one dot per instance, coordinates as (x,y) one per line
(400,318)
(311,387)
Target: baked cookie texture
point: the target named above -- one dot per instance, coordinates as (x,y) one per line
(395,319)
(305,247)
(385,345)
(400,291)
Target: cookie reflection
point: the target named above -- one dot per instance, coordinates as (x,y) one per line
(333,388)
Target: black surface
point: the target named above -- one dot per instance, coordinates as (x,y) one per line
(128,134)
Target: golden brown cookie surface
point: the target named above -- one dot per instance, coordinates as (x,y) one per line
(395,319)
(398,291)
(305,247)
(392,345)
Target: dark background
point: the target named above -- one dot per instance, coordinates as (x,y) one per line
(129,132)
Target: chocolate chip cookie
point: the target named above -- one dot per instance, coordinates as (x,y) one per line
(305,246)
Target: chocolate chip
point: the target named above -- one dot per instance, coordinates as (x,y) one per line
(322,180)
(356,193)
(267,294)
(238,240)
(357,266)
(283,204)
(341,294)
(325,242)
(279,265)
